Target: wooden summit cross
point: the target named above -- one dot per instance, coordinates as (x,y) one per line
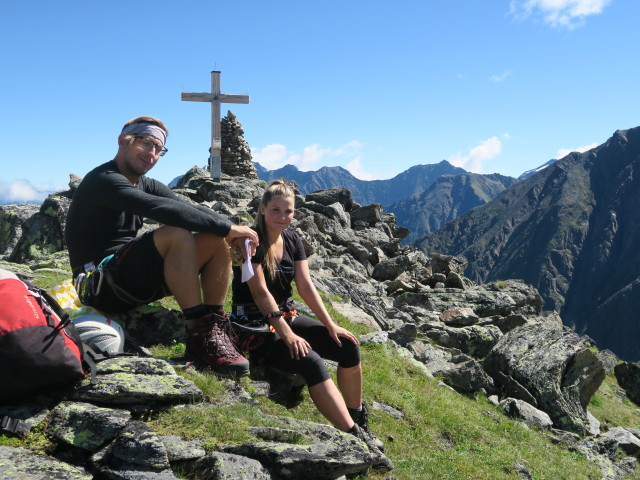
(215,98)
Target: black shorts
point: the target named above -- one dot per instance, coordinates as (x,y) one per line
(310,367)
(137,270)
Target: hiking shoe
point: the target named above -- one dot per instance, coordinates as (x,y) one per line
(361,417)
(209,344)
(382,462)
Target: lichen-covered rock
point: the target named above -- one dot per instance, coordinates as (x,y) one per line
(521,410)
(405,334)
(625,439)
(332,195)
(131,380)
(459,317)
(84,425)
(136,451)
(392,268)
(41,236)
(326,452)
(369,214)
(435,359)
(13,220)
(628,376)
(152,325)
(467,377)
(364,296)
(23,464)
(335,211)
(179,450)
(554,365)
(227,466)
(448,263)
(484,303)
(603,451)
(475,340)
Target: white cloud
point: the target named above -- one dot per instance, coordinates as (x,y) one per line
(563,152)
(312,157)
(22,191)
(357,170)
(558,13)
(485,150)
(500,78)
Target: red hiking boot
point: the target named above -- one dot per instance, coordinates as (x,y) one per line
(209,345)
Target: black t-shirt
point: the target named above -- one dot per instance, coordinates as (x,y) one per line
(107,211)
(279,286)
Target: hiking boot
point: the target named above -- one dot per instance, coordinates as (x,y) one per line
(382,462)
(208,343)
(361,417)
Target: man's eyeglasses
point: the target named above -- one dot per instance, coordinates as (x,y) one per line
(148,145)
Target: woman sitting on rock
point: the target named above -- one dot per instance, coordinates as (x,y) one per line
(298,343)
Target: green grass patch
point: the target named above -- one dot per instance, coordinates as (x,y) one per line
(47,278)
(445,435)
(612,407)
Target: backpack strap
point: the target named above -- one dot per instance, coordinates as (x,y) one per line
(14,426)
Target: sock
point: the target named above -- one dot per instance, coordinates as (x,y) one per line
(215,308)
(195,312)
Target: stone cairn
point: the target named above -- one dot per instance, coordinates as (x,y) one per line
(236,154)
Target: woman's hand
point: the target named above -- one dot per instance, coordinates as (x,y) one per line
(298,346)
(336,332)
(237,236)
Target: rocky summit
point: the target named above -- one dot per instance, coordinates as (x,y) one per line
(488,339)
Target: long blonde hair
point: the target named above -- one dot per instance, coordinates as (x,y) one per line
(277,188)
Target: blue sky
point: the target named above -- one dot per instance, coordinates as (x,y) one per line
(375,87)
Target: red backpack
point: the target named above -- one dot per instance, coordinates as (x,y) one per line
(39,345)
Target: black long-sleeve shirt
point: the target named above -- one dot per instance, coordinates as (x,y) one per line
(107,211)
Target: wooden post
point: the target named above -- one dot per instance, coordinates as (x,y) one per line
(215,98)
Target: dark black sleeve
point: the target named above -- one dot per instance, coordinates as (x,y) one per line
(157,202)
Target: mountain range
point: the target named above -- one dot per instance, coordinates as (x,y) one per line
(415,180)
(571,230)
(445,199)
(423,198)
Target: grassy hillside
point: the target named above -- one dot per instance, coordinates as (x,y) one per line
(443,435)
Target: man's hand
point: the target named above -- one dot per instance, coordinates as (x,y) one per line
(238,234)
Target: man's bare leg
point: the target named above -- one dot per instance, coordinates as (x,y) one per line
(214,260)
(185,255)
(181,270)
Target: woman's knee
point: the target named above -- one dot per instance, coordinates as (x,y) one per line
(349,354)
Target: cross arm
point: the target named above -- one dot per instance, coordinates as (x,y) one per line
(209,97)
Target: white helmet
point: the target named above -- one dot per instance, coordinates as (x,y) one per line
(100,334)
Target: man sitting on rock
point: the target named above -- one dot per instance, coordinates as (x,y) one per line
(105,215)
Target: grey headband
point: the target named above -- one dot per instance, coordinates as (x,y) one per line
(145,129)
